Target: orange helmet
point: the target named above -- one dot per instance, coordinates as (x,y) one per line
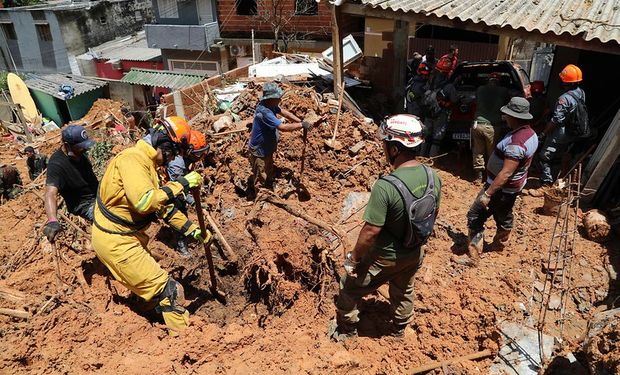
(178,129)
(571,74)
(198,142)
(537,87)
(444,64)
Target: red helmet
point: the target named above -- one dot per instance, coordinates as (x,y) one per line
(537,87)
(423,69)
(495,75)
(444,64)
(571,74)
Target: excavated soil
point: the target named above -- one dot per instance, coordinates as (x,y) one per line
(280,296)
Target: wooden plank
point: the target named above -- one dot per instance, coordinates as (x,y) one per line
(399,72)
(337,49)
(603,159)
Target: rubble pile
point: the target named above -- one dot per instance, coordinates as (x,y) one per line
(101,110)
(290,245)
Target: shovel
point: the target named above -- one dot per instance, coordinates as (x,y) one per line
(220,296)
(333,143)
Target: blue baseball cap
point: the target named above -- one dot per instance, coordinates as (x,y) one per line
(75,135)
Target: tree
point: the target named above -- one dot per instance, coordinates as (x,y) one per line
(20,3)
(284,21)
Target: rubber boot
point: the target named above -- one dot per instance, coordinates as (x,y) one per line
(478,176)
(502,236)
(182,247)
(474,249)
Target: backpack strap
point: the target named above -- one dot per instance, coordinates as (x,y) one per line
(403,190)
(430,182)
(578,99)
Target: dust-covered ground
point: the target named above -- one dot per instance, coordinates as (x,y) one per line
(280,294)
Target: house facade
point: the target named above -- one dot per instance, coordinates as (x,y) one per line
(185,32)
(47,38)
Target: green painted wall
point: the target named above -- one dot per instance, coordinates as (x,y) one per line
(80,105)
(48,106)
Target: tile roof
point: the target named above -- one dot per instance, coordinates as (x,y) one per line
(50,84)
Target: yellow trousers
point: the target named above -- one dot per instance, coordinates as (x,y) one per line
(130,262)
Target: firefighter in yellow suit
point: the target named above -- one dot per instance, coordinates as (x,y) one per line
(128,200)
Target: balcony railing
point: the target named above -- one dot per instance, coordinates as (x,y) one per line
(186,37)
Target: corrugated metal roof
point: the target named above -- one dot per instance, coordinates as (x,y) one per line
(50,84)
(590,19)
(162,78)
(130,48)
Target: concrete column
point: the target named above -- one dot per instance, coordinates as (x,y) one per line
(400,43)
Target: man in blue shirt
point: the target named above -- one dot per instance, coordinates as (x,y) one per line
(265,135)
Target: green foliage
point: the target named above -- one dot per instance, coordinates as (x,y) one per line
(99,155)
(21,3)
(3,75)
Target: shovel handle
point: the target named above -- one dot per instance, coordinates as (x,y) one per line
(203,229)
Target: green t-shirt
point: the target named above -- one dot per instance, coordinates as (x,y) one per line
(386,209)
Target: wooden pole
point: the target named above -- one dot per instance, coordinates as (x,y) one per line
(400,43)
(434,365)
(230,253)
(22,119)
(337,48)
(15,313)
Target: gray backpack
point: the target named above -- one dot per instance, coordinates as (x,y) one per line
(421,212)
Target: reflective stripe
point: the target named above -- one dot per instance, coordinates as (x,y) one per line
(168,192)
(144,202)
(170,213)
(186,226)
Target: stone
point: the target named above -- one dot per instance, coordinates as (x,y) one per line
(554,302)
(356,148)
(223,123)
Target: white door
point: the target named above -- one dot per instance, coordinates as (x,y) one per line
(205,13)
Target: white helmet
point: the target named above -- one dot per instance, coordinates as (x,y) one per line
(406,129)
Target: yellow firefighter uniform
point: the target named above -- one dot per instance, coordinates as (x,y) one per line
(129,199)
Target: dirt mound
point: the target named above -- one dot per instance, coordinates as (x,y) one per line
(100,111)
(290,246)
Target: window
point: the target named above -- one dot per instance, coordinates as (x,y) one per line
(44,33)
(246,7)
(168,8)
(186,66)
(9,31)
(306,7)
(38,15)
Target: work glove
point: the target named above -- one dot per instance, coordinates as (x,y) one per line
(197,234)
(191,180)
(350,265)
(306,125)
(483,199)
(51,229)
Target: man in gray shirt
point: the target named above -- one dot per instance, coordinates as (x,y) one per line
(487,124)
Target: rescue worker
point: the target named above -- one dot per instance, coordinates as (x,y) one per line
(265,135)
(569,122)
(10,182)
(180,166)
(538,106)
(140,119)
(507,171)
(70,173)
(129,199)
(487,124)
(429,57)
(450,59)
(439,99)
(36,162)
(416,89)
(389,248)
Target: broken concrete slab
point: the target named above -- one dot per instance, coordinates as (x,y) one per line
(352,203)
(356,148)
(520,352)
